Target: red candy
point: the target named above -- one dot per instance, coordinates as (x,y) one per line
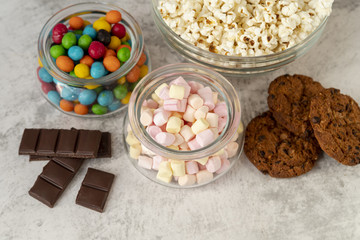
(47,87)
(96,50)
(118,30)
(58,32)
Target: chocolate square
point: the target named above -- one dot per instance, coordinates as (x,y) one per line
(88,143)
(72,164)
(98,179)
(45,192)
(29,141)
(92,198)
(67,141)
(57,175)
(105,146)
(47,141)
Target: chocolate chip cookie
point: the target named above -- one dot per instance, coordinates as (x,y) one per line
(335,119)
(289,101)
(276,151)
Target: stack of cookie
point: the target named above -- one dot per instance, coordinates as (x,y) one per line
(304,118)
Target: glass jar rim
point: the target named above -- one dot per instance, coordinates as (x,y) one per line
(86,8)
(232,58)
(216,80)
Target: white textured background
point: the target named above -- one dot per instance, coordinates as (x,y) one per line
(244,204)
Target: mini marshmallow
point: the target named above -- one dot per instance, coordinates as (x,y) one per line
(131,139)
(204,176)
(225,164)
(195,86)
(157,160)
(150,104)
(221,109)
(145,162)
(178,167)
(207,95)
(164,174)
(201,167)
(146,151)
(177,114)
(157,99)
(189,114)
(178,140)
(201,112)
(215,97)
(158,90)
(153,130)
(195,101)
(213,164)
(213,119)
(193,144)
(184,146)
(164,93)
(135,151)
(240,128)
(187,180)
(202,161)
(232,149)
(173,147)
(146,117)
(161,118)
(176,92)
(205,137)
(165,139)
(180,81)
(173,125)
(235,137)
(215,132)
(219,153)
(191,167)
(183,105)
(172,105)
(200,125)
(187,133)
(222,124)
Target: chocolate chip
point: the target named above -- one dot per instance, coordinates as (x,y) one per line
(356,153)
(262,153)
(286,151)
(272,96)
(354,132)
(261,137)
(277,162)
(315,119)
(282,83)
(347,107)
(357,147)
(349,147)
(335,125)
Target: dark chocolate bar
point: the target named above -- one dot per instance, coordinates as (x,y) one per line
(57,174)
(62,143)
(72,164)
(39,158)
(105,146)
(95,189)
(45,192)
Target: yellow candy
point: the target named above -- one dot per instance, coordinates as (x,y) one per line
(122,80)
(40,63)
(178,167)
(86,22)
(143,71)
(126,99)
(114,43)
(82,70)
(124,39)
(91,87)
(101,24)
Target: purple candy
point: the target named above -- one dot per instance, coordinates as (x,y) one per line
(47,87)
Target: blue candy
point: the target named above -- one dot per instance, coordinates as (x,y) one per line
(55,81)
(114,105)
(54,97)
(129,42)
(105,98)
(76,53)
(69,94)
(97,70)
(45,76)
(87,97)
(89,30)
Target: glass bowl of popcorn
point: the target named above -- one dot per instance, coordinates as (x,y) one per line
(183,127)
(241,37)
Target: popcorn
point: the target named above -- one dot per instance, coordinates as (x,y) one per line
(244,27)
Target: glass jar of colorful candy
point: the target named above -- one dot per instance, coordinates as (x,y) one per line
(183,127)
(91,57)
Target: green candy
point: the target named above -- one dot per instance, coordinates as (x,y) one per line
(98,90)
(72,73)
(126,43)
(123,54)
(98,109)
(68,40)
(120,91)
(132,86)
(78,31)
(57,51)
(84,41)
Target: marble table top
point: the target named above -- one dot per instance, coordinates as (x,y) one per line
(244,204)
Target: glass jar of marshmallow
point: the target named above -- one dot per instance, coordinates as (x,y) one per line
(183,127)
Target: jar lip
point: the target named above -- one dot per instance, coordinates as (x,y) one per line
(216,56)
(87,8)
(151,81)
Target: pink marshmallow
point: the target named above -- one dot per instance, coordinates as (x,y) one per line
(183,104)
(231,149)
(221,109)
(195,86)
(172,105)
(180,81)
(156,161)
(205,137)
(225,164)
(191,167)
(213,164)
(165,139)
(193,144)
(145,162)
(164,93)
(153,131)
(152,104)
(161,118)
(207,95)
(222,124)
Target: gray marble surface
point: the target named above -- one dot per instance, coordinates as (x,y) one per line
(244,204)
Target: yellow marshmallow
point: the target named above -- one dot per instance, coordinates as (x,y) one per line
(158,90)
(215,97)
(202,161)
(173,147)
(157,99)
(200,125)
(178,167)
(173,125)
(135,151)
(240,128)
(164,174)
(177,114)
(131,139)
(177,92)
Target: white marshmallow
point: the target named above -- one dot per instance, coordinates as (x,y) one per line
(204,176)
(189,114)
(145,162)
(201,112)
(195,101)
(213,119)
(187,180)
(187,133)
(146,117)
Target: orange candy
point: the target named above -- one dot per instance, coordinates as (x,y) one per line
(87,60)
(66,105)
(122,46)
(81,109)
(109,52)
(65,63)
(142,60)
(76,23)
(111,63)
(113,16)
(133,75)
